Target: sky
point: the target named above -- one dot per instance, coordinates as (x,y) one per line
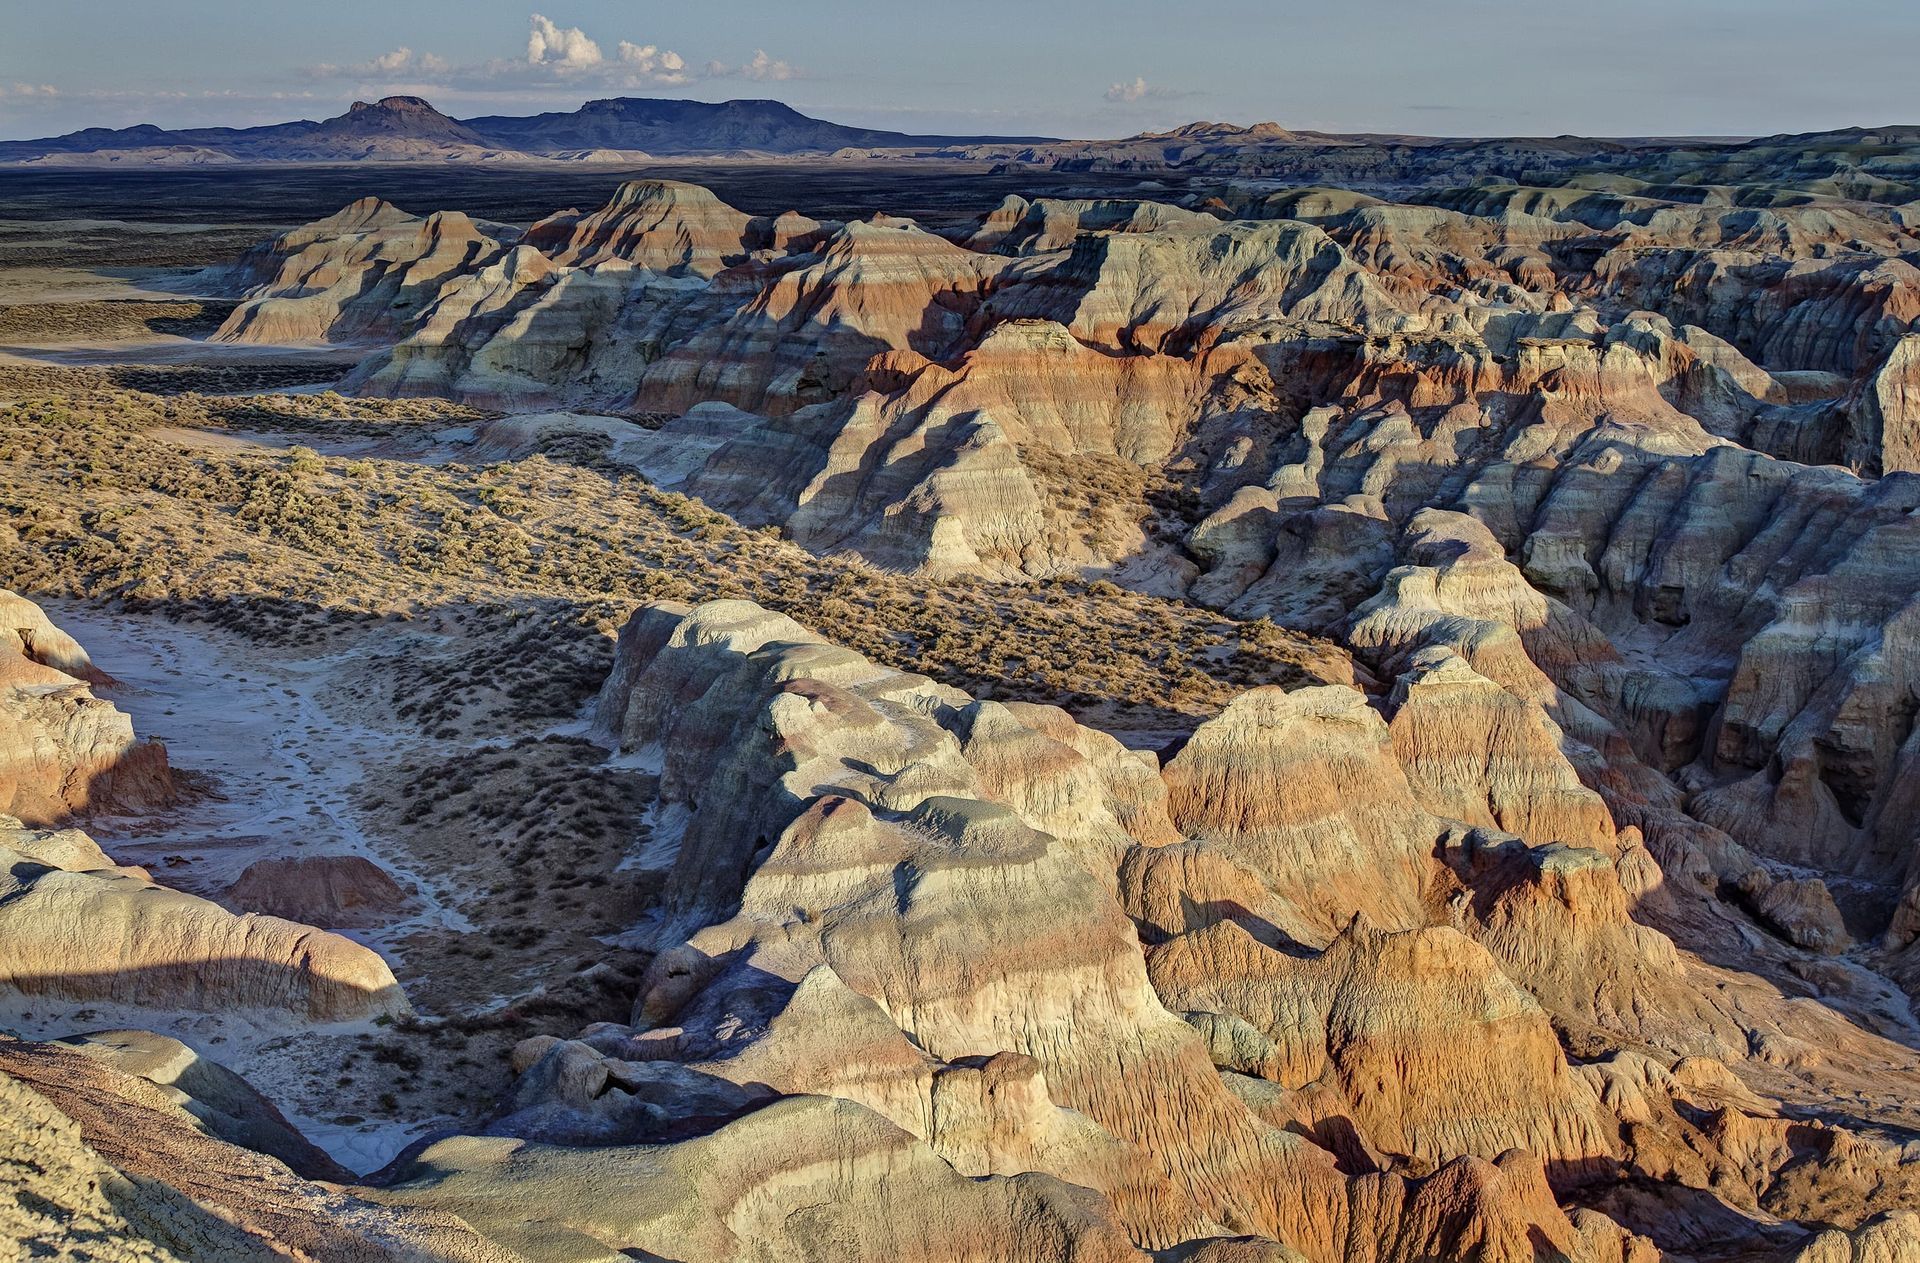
(1071,68)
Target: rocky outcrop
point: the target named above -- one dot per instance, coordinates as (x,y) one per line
(1021,227)
(698,686)
(806,1178)
(805,330)
(120,1167)
(1601,484)
(334,892)
(928,886)
(106,935)
(1199,283)
(63,750)
(1888,1239)
(363,274)
(74,926)
(1302,788)
(1000,463)
(1476,753)
(665,226)
(1429,1050)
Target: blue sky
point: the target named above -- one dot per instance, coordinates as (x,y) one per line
(1061,67)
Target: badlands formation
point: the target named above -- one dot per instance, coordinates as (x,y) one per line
(1467,805)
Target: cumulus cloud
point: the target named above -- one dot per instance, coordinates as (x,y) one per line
(556,57)
(1141,90)
(762,68)
(404,61)
(658,65)
(402,64)
(560,47)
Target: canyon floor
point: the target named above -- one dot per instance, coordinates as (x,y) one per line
(836,710)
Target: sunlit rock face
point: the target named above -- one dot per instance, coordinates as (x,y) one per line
(666,226)
(64,750)
(363,274)
(1028,953)
(117,937)
(930,887)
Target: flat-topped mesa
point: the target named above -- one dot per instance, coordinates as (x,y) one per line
(666,226)
(62,750)
(363,274)
(1206,130)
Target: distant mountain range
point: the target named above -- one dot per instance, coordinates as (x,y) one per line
(1855,163)
(409,129)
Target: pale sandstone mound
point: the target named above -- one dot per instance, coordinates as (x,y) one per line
(27,632)
(1475,753)
(807,1178)
(773,333)
(1019,226)
(63,750)
(1559,920)
(698,686)
(1891,1238)
(1193,283)
(67,848)
(981,467)
(664,226)
(1303,789)
(109,1165)
(74,926)
(361,274)
(806,329)
(222,1103)
(1312,808)
(965,959)
(107,936)
(524,332)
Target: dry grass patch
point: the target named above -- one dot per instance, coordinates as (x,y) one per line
(110,320)
(102,509)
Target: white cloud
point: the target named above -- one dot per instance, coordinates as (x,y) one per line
(761,68)
(1141,90)
(28,90)
(560,47)
(657,65)
(402,64)
(557,57)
